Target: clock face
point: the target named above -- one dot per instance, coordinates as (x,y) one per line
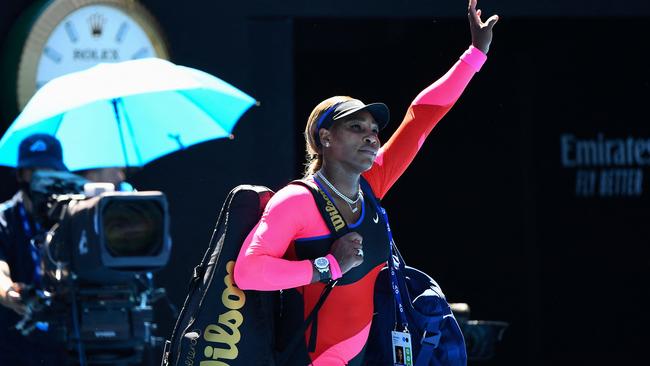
(72,36)
(90,35)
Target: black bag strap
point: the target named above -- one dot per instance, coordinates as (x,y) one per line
(328,211)
(323,203)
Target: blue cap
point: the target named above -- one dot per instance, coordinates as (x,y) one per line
(40,151)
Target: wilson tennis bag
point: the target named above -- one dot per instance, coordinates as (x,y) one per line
(409,298)
(221,325)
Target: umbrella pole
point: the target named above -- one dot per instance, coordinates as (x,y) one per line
(119,129)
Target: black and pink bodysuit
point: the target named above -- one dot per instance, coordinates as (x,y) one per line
(278,252)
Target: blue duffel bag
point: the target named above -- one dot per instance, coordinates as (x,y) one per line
(435,334)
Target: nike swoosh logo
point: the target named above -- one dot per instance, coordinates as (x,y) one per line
(376,218)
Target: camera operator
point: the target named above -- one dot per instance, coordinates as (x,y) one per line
(20,223)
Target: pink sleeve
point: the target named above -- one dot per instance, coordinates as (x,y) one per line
(425,112)
(260,265)
(450,86)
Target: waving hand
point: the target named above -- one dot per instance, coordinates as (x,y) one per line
(481,31)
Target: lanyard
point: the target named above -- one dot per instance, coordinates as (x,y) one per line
(33,249)
(393,266)
(393,260)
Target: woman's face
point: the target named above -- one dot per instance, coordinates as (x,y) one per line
(353,141)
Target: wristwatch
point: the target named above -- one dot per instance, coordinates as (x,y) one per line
(322,264)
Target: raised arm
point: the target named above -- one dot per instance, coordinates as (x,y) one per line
(428,108)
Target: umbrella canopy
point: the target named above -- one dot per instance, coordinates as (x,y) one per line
(128,113)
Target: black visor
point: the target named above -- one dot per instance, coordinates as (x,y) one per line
(379,112)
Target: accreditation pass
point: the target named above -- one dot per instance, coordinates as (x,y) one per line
(402,350)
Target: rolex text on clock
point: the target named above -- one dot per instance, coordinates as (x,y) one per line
(71,36)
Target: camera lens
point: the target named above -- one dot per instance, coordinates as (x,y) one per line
(133,228)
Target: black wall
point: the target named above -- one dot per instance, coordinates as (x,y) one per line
(487,207)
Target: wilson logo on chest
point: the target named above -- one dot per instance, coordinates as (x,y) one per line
(335,216)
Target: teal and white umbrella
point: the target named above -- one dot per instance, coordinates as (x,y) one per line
(127,114)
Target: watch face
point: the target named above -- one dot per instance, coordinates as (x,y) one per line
(72,36)
(321,262)
(90,35)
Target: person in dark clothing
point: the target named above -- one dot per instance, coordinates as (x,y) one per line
(20,224)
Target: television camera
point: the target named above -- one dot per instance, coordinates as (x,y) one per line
(96,263)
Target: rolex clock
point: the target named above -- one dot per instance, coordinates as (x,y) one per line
(57,37)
